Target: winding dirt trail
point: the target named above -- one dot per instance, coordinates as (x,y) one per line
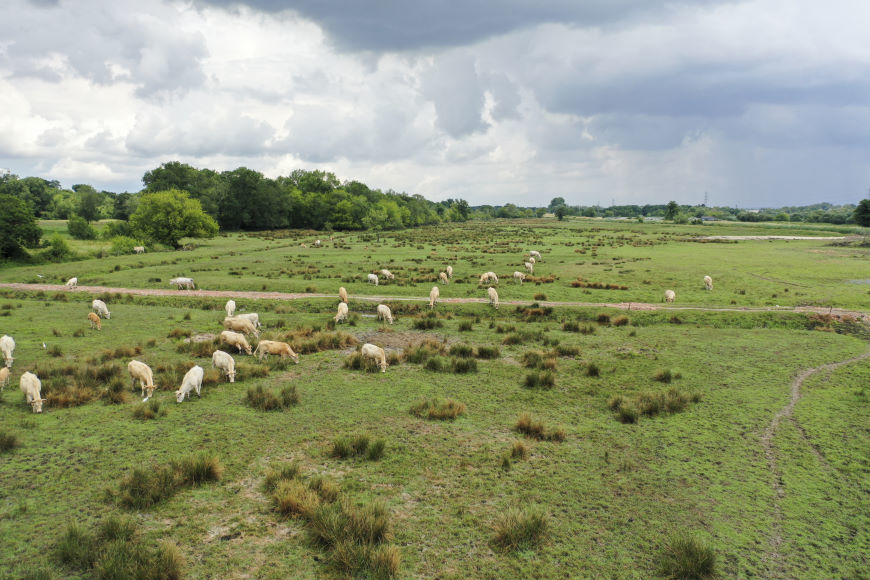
(256,295)
(786,412)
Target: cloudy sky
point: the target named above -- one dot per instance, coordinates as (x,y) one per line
(759,103)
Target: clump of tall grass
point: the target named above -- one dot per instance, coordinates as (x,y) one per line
(357,362)
(115,551)
(620,321)
(650,404)
(428,348)
(464,365)
(488,352)
(8,441)
(264,399)
(570,326)
(537,429)
(520,528)
(358,446)
(466,326)
(687,556)
(544,380)
(461,350)
(667,375)
(592,370)
(436,408)
(145,487)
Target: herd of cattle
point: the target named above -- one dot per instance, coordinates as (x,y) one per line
(238,326)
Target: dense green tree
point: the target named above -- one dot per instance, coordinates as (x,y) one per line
(167,216)
(671,210)
(201,184)
(554,203)
(80,229)
(560,211)
(18,227)
(89,202)
(861,215)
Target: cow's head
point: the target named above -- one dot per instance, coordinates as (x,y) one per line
(179,395)
(149,391)
(36,405)
(231,375)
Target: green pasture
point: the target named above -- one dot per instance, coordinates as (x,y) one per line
(633,262)
(613,493)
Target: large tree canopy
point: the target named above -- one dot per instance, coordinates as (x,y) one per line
(18,227)
(862,213)
(167,216)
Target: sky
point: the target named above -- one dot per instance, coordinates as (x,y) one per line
(755,103)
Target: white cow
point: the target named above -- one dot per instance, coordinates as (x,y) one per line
(342,294)
(239,324)
(443,278)
(230,307)
(252,316)
(72,283)
(235,339)
(342,312)
(536,254)
(141,372)
(139,249)
(282,349)
(192,381)
(387,274)
(670,295)
(224,362)
(530,267)
(493,297)
(4,377)
(433,296)
(488,277)
(373,279)
(7,347)
(100,308)
(519,277)
(371,351)
(449,271)
(384,313)
(708,282)
(31,387)
(186,283)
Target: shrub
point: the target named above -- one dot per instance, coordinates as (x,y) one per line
(545,380)
(145,487)
(263,399)
(461,350)
(358,446)
(464,365)
(686,556)
(488,352)
(80,229)
(436,408)
(465,326)
(592,370)
(620,321)
(8,441)
(122,245)
(537,430)
(520,528)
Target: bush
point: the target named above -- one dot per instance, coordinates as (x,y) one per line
(620,321)
(58,250)
(464,365)
(145,487)
(358,446)
(536,429)
(545,380)
(488,352)
(686,556)
(520,528)
(123,245)
(436,408)
(260,398)
(80,229)
(8,441)
(461,351)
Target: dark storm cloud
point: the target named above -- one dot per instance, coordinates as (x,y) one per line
(399,25)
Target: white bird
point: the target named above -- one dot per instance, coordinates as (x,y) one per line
(40,276)
(43,345)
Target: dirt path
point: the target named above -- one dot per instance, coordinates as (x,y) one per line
(255,295)
(774,555)
(772,237)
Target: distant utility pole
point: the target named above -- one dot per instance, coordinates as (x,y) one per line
(705,199)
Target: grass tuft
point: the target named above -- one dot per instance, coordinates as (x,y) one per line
(520,528)
(263,399)
(687,556)
(436,408)
(8,441)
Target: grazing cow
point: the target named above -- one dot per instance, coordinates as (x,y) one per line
(342,312)
(4,377)
(223,361)
(95,321)
(72,283)
(369,350)
(252,316)
(31,387)
(7,347)
(230,307)
(530,267)
(139,249)
(708,282)
(373,279)
(100,308)
(449,271)
(384,313)
(342,294)
(537,255)
(519,277)
(141,372)
(669,296)
(282,349)
(433,296)
(387,274)
(235,339)
(443,278)
(192,381)
(488,277)
(239,324)
(186,283)
(493,297)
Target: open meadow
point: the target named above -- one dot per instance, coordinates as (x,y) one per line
(551,437)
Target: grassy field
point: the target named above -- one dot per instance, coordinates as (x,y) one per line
(609,495)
